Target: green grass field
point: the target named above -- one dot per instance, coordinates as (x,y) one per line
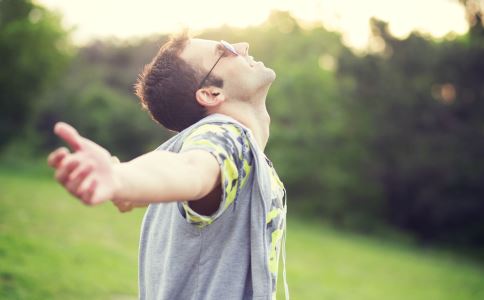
(53,247)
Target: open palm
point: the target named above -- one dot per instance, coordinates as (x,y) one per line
(87,172)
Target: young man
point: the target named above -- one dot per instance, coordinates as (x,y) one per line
(216,208)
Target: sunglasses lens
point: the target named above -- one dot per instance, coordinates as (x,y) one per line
(229,47)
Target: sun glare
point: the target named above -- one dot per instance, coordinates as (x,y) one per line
(124,19)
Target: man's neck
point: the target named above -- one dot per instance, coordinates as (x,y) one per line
(257,119)
(253,115)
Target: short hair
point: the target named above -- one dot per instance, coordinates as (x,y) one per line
(167,86)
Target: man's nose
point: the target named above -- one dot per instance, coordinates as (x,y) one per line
(242,48)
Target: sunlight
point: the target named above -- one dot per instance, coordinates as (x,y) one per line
(124,19)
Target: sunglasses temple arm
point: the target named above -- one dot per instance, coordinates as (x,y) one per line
(206,76)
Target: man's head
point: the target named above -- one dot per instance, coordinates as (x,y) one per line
(169,86)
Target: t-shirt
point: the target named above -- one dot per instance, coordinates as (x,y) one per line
(231,149)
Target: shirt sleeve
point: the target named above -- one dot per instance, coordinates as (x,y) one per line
(231,149)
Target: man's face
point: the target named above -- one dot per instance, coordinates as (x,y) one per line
(243,77)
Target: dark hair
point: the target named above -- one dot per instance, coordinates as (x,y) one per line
(167,87)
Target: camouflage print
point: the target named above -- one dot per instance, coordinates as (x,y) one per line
(231,148)
(275,225)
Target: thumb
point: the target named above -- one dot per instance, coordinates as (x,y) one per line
(68,134)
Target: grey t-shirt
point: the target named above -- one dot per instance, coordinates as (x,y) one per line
(232,254)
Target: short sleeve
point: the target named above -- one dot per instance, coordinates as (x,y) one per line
(230,147)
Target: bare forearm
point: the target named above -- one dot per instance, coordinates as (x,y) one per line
(90,174)
(158,176)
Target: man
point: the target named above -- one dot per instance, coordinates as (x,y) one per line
(216,208)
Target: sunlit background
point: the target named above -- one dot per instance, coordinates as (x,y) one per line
(377,132)
(126,19)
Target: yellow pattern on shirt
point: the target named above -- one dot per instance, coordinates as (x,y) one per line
(231,149)
(226,143)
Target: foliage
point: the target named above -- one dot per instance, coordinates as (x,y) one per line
(421,118)
(33,49)
(96,97)
(393,136)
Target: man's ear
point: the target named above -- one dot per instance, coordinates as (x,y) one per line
(210,96)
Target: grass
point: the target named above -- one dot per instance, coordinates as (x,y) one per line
(53,247)
(325,264)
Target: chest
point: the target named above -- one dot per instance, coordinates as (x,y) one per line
(276,186)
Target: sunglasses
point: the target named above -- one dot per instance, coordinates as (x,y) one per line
(228,49)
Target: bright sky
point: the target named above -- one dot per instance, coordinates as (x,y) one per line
(124,19)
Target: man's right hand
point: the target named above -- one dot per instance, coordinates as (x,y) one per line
(87,172)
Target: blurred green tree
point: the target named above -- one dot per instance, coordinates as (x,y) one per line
(34,48)
(418,106)
(391,136)
(96,96)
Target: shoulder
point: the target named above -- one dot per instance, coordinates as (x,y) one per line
(230,136)
(228,130)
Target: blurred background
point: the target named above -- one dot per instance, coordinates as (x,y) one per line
(377,132)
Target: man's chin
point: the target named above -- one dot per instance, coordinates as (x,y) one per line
(273,76)
(268,79)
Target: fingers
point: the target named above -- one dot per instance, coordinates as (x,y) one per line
(77,177)
(75,174)
(56,157)
(87,189)
(66,167)
(68,134)
(80,172)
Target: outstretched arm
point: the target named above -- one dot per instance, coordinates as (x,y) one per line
(89,173)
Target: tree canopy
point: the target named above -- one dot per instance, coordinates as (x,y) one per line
(391,137)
